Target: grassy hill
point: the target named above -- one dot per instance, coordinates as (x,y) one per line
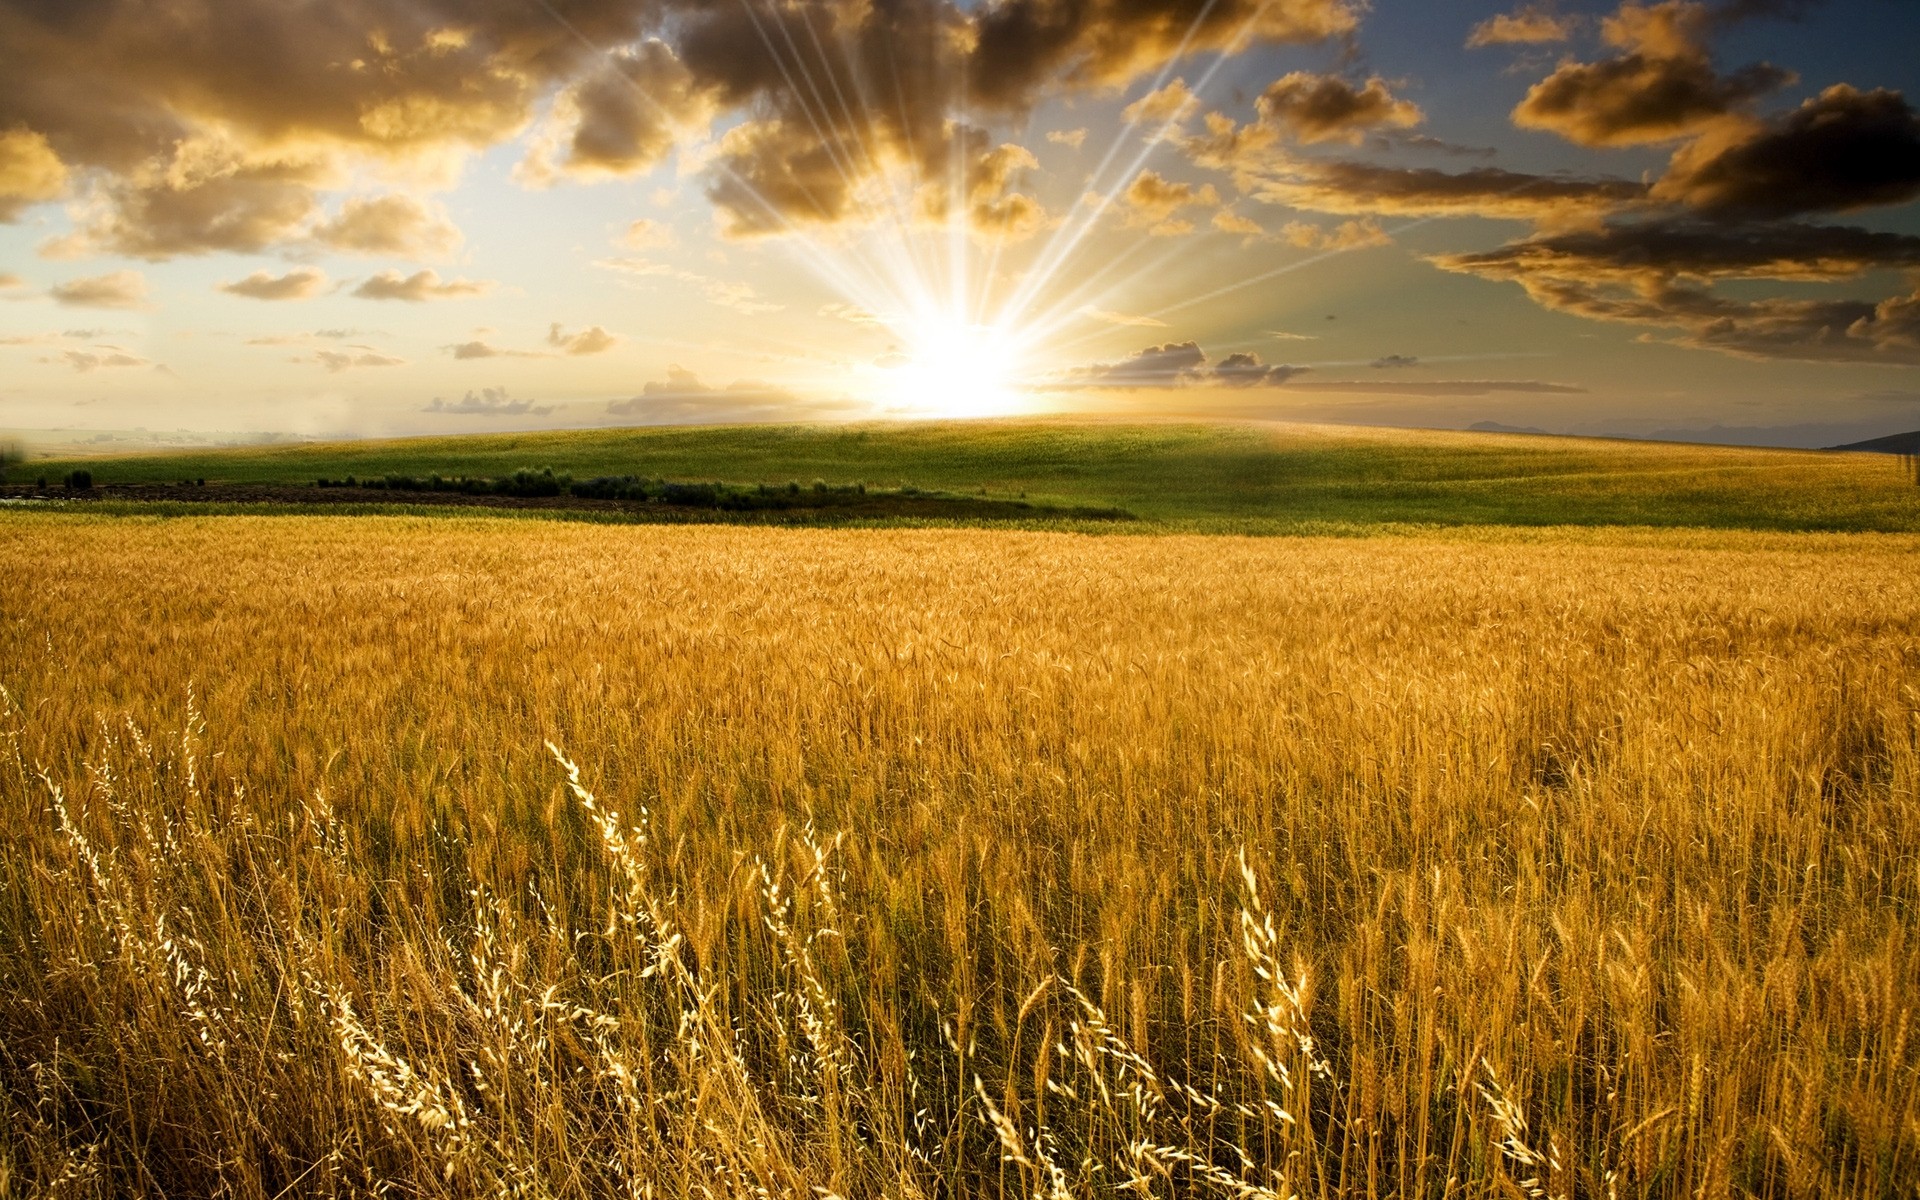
(1211,477)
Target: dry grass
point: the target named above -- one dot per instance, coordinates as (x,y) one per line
(954,864)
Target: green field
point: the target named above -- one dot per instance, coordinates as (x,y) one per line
(1195,477)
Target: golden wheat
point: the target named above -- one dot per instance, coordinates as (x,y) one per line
(947,864)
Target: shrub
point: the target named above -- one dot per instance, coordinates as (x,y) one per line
(79,481)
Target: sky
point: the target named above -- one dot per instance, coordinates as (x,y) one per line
(226,218)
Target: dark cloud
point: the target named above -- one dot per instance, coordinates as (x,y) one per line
(1179,364)
(1658,274)
(1026,46)
(216,126)
(488,402)
(1662,87)
(1322,108)
(1843,149)
(1651,254)
(623,117)
(299,284)
(1393,361)
(1363,188)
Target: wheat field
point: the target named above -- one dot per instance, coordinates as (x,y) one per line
(426,857)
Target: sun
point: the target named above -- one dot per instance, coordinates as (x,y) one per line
(952,367)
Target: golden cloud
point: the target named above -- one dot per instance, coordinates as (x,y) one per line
(301,284)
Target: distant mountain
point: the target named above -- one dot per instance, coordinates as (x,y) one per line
(1497,427)
(1897,443)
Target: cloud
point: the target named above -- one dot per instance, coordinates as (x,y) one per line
(1843,149)
(622,118)
(84,361)
(1442,387)
(1173,102)
(592,340)
(1394,361)
(1363,188)
(1532,26)
(1152,200)
(393,226)
(30,172)
(1179,364)
(1228,221)
(1023,46)
(1659,274)
(1323,108)
(9,280)
(118,289)
(336,361)
(681,397)
(1120,318)
(418,287)
(1348,235)
(300,284)
(482,349)
(1071,138)
(1662,87)
(488,402)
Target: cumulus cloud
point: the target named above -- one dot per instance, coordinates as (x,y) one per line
(1152,201)
(300,284)
(30,171)
(1071,138)
(1530,26)
(1173,102)
(418,287)
(393,226)
(118,289)
(1662,85)
(591,340)
(1322,108)
(488,402)
(622,118)
(1179,364)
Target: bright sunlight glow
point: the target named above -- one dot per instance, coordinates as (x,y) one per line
(950,367)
